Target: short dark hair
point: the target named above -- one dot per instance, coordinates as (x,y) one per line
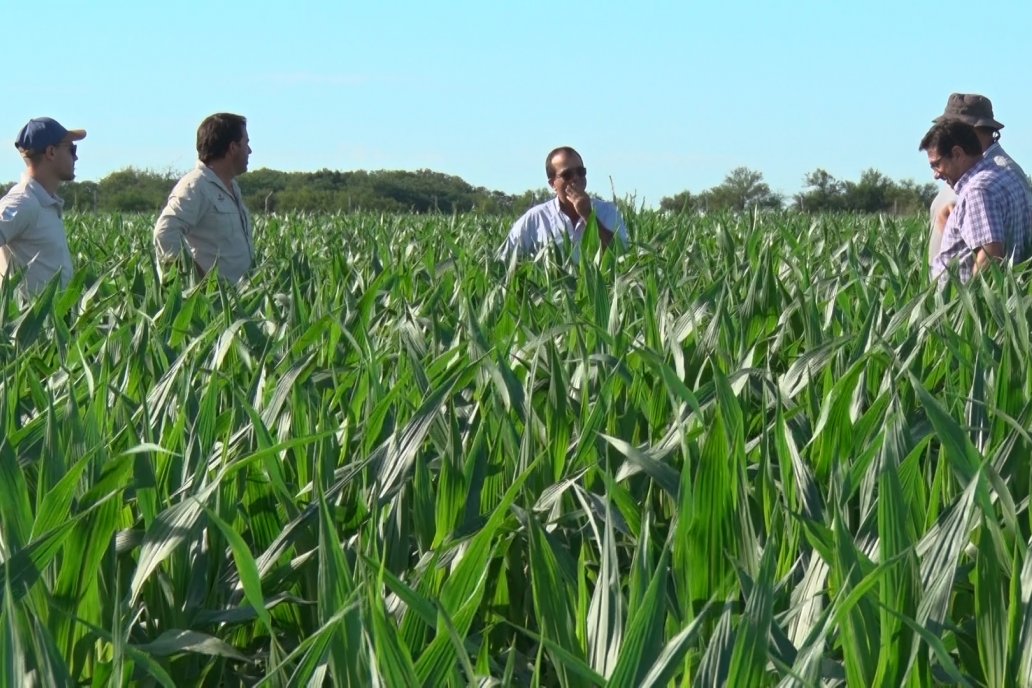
(942,137)
(549,167)
(216,133)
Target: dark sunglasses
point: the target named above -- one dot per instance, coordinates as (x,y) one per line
(71,147)
(572,172)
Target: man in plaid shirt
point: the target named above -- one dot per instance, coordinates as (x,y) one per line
(993,215)
(976,110)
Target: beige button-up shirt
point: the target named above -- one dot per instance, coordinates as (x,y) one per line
(32,236)
(210,220)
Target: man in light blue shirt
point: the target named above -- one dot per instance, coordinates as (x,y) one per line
(565,217)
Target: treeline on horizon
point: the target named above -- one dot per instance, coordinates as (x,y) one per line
(426,191)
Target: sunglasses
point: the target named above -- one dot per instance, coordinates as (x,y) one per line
(71,147)
(937,163)
(572,172)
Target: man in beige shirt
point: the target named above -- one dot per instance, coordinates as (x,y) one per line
(32,233)
(205,212)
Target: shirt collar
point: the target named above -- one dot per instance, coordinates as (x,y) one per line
(564,216)
(982,164)
(42,195)
(210,175)
(992,150)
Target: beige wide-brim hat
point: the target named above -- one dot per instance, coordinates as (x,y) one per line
(970,108)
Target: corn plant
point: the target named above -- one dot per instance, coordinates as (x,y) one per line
(744,450)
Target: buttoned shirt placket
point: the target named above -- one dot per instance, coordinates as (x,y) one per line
(241,214)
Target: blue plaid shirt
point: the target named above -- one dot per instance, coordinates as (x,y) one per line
(994,204)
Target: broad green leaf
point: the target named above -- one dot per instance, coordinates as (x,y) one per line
(176,641)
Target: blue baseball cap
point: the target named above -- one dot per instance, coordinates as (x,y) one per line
(42,132)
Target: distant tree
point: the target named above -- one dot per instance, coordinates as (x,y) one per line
(261,186)
(132,189)
(872,194)
(823,193)
(683,202)
(742,189)
(531,198)
(80,196)
(426,191)
(909,197)
(497,203)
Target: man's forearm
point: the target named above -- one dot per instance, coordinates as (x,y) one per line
(605,235)
(943,215)
(990,251)
(168,239)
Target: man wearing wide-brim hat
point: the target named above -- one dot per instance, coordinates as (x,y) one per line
(976,110)
(32,233)
(992,218)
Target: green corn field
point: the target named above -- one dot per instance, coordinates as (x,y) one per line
(756,450)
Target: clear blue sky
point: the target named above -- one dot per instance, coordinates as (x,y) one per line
(657,96)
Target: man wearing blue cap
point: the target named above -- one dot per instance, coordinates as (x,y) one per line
(205,215)
(32,233)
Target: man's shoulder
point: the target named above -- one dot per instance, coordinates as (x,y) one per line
(601,202)
(609,213)
(997,154)
(21,197)
(191,179)
(549,207)
(188,197)
(537,213)
(1006,163)
(989,177)
(981,175)
(198,180)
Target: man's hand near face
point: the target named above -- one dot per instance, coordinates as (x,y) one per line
(581,202)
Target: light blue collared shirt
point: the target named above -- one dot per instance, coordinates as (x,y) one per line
(546,224)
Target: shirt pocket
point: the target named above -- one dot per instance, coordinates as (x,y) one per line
(227,215)
(225,206)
